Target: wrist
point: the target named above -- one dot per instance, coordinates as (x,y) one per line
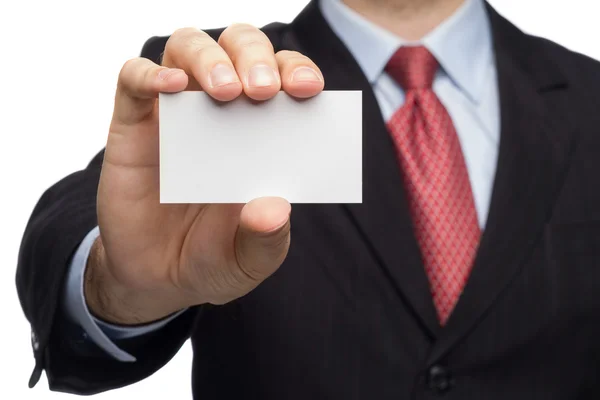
(113,302)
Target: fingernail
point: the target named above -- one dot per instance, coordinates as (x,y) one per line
(163,74)
(222,75)
(261,75)
(305,74)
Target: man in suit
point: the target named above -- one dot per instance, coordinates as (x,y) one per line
(471,270)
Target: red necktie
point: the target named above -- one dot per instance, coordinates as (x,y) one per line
(435,177)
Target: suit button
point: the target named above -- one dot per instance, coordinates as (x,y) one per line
(439,379)
(34,341)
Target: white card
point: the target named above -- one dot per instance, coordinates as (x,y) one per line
(306,151)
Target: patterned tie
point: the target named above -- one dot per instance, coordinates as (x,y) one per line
(436,179)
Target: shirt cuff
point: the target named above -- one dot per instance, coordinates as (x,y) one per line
(99,332)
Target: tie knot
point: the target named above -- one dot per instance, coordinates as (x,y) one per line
(412,67)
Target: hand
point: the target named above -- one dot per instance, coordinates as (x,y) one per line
(153,259)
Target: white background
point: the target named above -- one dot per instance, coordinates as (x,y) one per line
(59,61)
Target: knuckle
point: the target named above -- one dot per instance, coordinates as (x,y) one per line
(130,65)
(198,46)
(244,35)
(252,46)
(184,38)
(251,49)
(227,284)
(196,41)
(183,33)
(205,53)
(227,32)
(148,75)
(242,26)
(235,29)
(137,73)
(176,38)
(128,69)
(243,273)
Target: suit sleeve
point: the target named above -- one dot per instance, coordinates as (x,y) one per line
(62,218)
(100,332)
(60,221)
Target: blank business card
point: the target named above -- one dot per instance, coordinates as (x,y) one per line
(306,151)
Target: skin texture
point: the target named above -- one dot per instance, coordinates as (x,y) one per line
(154,259)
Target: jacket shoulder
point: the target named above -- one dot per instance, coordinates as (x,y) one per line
(155,46)
(581,71)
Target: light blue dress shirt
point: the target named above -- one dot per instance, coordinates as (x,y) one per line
(465,83)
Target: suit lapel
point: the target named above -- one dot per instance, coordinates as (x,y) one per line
(383,218)
(533,158)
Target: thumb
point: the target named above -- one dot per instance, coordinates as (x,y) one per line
(263,238)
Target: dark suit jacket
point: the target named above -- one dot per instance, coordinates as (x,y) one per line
(349,314)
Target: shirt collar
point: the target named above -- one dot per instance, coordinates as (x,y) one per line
(462,43)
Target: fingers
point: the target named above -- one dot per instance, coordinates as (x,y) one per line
(242,60)
(263,238)
(139,83)
(300,77)
(205,61)
(252,54)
